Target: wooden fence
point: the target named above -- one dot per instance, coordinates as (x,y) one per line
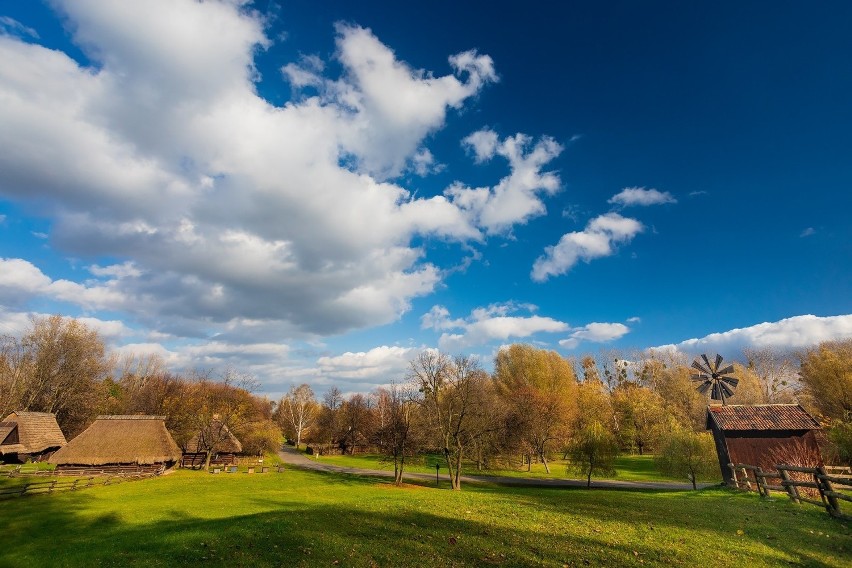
(57,485)
(816,481)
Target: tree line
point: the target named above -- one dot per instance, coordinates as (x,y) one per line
(534,406)
(537,404)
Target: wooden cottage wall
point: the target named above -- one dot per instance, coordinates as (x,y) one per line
(755,447)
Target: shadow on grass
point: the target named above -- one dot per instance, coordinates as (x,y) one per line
(376,524)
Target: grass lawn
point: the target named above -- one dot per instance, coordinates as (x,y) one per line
(628,468)
(301,518)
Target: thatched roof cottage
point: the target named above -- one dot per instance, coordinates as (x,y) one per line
(29,435)
(121,440)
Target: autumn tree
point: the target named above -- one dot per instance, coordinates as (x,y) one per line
(221,406)
(398,434)
(58,366)
(640,413)
(455,398)
(592,451)
(685,453)
(297,411)
(539,389)
(826,374)
(357,422)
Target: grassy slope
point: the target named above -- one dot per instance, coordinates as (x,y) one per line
(629,468)
(307,518)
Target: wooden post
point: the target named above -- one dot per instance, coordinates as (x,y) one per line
(747,480)
(832,505)
(792,491)
(761,482)
(734,475)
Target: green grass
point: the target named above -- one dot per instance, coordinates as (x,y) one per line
(301,518)
(628,468)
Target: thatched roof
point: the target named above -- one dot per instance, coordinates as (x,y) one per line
(120,439)
(217,433)
(36,432)
(761,417)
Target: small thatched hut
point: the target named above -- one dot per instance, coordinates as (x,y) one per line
(120,442)
(763,435)
(29,435)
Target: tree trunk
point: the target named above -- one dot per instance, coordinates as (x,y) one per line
(544,461)
(207,460)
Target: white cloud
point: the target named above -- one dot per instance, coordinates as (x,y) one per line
(597,240)
(790,333)
(641,196)
(380,365)
(230,208)
(595,332)
(808,232)
(491,323)
(517,197)
(634,319)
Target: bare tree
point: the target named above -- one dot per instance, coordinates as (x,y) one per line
(456,396)
(58,366)
(298,409)
(775,372)
(222,406)
(398,435)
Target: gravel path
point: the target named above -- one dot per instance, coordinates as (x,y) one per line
(296,458)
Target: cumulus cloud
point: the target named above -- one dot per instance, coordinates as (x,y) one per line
(790,333)
(233,209)
(640,196)
(596,333)
(380,365)
(808,232)
(598,239)
(21,280)
(517,197)
(487,324)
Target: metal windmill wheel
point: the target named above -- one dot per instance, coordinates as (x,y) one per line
(714,378)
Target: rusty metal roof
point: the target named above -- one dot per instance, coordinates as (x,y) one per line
(761,417)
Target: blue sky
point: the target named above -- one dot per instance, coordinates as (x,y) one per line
(316,191)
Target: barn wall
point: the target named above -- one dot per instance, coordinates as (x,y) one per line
(754,448)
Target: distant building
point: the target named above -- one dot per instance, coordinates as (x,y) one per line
(29,436)
(763,435)
(120,442)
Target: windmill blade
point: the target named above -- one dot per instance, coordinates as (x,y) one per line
(730,380)
(718,362)
(699,377)
(706,360)
(714,394)
(704,388)
(726,370)
(726,389)
(700,367)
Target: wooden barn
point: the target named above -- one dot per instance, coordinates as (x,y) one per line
(29,436)
(216,437)
(763,435)
(120,444)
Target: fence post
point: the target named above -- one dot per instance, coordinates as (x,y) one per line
(747,480)
(761,482)
(734,475)
(792,491)
(832,505)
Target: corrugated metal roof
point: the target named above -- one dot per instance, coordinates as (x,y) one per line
(761,417)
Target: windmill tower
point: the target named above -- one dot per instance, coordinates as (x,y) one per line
(714,378)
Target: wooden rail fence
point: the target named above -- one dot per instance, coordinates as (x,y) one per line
(819,481)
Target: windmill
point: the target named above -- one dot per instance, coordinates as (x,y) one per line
(715,379)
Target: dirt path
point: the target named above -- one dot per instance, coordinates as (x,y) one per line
(295,458)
